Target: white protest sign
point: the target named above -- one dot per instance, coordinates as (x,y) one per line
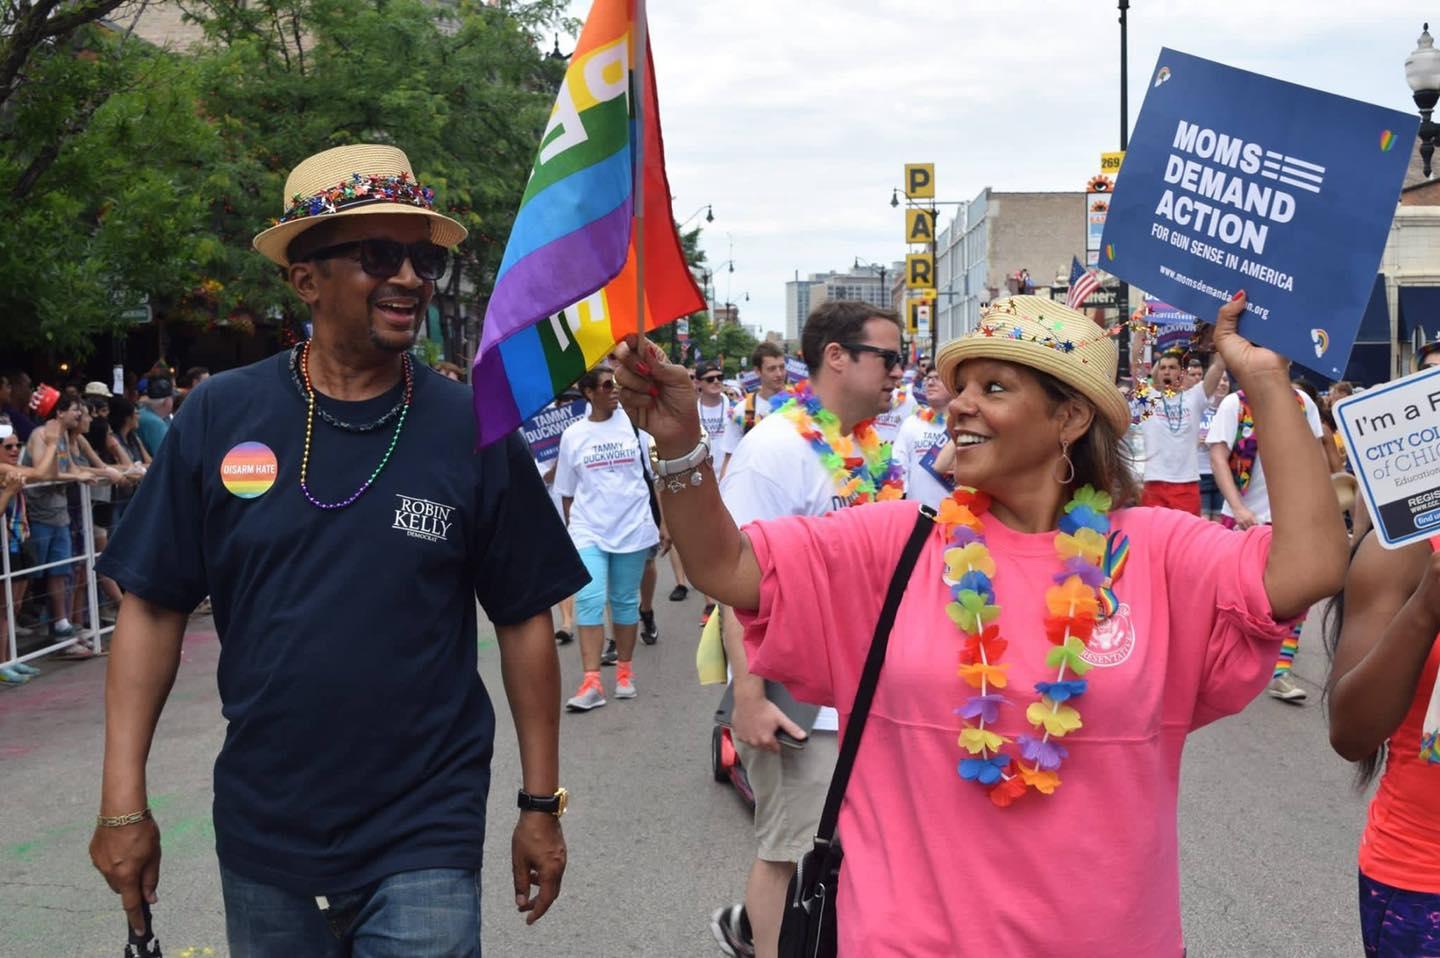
(1392,433)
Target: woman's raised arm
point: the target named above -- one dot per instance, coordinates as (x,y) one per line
(661,400)
(1308,552)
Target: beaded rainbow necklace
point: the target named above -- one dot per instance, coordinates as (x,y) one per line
(870,476)
(310,425)
(1089,565)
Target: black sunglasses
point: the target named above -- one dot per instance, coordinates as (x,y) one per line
(607,386)
(9,445)
(891,357)
(711,379)
(383,258)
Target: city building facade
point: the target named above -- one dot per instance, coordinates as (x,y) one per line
(1001,243)
(869,284)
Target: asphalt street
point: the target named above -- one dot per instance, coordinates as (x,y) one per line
(1268,818)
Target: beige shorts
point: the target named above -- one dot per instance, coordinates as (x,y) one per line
(789,793)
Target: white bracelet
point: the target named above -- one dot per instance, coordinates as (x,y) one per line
(691,460)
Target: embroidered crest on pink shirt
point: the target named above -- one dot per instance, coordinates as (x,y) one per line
(1112,641)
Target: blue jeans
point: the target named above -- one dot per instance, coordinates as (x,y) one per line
(614,576)
(51,544)
(434,912)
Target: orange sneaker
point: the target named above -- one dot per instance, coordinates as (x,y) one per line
(590,695)
(624,681)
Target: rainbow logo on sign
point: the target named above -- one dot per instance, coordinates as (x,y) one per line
(1110,252)
(1387,140)
(249,470)
(1320,340)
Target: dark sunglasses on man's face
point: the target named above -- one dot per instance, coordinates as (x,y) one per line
(711,379)
(890,357)
(382,258)
(607,386)
(9,445)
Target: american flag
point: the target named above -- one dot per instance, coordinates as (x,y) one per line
(1083,282)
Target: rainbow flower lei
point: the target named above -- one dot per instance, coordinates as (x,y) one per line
(1073,604)
(929,414)
(872,475)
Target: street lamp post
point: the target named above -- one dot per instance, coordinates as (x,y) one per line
(884,290)
(1422,72)
(708,210)
(1122,294)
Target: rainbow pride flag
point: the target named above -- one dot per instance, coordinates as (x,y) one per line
(565,292)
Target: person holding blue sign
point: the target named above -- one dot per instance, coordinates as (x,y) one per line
(1056,598)
(1385,642)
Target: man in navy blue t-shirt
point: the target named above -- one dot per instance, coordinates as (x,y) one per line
(331,503)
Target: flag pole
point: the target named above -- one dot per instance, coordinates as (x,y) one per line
(640,43)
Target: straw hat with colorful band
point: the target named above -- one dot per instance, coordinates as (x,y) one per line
(352,181)
(1050,337)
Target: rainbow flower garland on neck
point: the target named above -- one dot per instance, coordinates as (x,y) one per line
(930,414)
(1073,604)
(872,475)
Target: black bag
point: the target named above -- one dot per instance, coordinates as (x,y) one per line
(649,479)
(807,929)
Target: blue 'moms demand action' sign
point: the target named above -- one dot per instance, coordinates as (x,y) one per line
(1236,181)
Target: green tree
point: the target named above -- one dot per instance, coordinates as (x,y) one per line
(130,171)
(101,159)
(462,87)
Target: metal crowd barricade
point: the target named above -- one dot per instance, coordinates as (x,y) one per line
(90,636)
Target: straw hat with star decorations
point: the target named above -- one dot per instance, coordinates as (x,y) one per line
(1049,337)
(357,180)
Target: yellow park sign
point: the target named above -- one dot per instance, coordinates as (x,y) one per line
(920,271)
(920,181)
(919,225)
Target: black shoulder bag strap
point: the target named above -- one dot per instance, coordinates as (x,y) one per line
(645,474)
(865,694)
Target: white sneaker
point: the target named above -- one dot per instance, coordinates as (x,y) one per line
(1284,688)
(589,697)
(626,689)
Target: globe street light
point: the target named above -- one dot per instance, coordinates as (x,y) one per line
(1422,72)
(709,216)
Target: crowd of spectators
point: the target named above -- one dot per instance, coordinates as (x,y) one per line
(53,441)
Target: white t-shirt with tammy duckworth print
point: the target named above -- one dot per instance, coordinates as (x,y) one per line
(713,418)
(776,473)
(916,447)
(600,467)
(1222,430)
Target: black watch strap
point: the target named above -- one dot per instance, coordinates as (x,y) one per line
(550,804)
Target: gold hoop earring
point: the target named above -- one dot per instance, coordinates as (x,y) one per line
(1069,465)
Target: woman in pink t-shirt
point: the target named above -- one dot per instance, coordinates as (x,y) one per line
(1015,789)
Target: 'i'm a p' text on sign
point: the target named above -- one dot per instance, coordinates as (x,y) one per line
(1236,181)
(1393,435)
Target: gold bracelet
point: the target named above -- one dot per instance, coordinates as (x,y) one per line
(119,821)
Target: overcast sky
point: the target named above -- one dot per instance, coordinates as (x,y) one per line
(795,117)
